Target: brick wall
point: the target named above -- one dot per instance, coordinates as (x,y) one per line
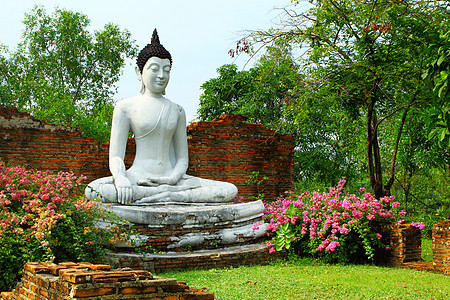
(229,149)
(404,244)
(39,145)
(89,281)
(225,149)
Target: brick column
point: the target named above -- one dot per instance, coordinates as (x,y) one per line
(441,246)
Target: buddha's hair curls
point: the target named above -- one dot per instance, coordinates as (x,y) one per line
(152,49)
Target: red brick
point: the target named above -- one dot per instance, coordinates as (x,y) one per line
(138,290)
(44,292)
(99,267)
(36,268)
(7,295)
(95,292)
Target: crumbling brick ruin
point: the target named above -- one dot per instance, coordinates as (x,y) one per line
(87,281)
(226,149)
(405,248)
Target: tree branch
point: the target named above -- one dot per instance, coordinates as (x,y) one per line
(417,199)
(411,102)
(397,141)
(343,15)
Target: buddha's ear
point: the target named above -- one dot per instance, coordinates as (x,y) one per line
(138,73)
(141,82)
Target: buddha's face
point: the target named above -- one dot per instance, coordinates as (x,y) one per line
(156,74)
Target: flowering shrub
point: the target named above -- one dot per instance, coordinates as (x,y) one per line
(419,225)
(333,226)
(44,218)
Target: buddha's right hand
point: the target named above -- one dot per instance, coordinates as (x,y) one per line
(124,190)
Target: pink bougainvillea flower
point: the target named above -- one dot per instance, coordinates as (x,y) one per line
(256,226)
(419,225)
(328,216)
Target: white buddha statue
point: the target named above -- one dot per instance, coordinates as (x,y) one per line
(158,173)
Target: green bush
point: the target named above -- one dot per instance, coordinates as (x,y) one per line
(44,218)
(331,226)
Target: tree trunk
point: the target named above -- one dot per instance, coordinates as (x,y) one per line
(373,149)
(387,187)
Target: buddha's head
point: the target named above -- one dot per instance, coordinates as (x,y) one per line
(153,66)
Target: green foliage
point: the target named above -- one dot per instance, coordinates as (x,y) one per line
(367,56)
(425,195)
(439,64)
(267,94)
(437,116)
(262,93)
(43,218)
(427,249)
(284,236)
(64,74)
(256,181)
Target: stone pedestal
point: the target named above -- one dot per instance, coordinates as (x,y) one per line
(181,236)
(200,259)
(178,227)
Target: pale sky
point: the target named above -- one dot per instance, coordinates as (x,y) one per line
(197,33)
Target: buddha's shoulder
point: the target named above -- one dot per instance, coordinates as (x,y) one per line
(128,102)
(175,107)
(178,107)
(136,101)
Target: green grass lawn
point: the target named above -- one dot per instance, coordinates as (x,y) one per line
(308,279)
(427,249)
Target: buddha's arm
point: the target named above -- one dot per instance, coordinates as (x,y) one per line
(118,143)
(181,147)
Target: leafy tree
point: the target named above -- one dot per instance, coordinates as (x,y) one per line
(261,93)
(267,94)
(437,116)
(364,61)
(62,73)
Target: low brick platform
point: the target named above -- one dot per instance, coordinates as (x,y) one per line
(92,281)
(202,259)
